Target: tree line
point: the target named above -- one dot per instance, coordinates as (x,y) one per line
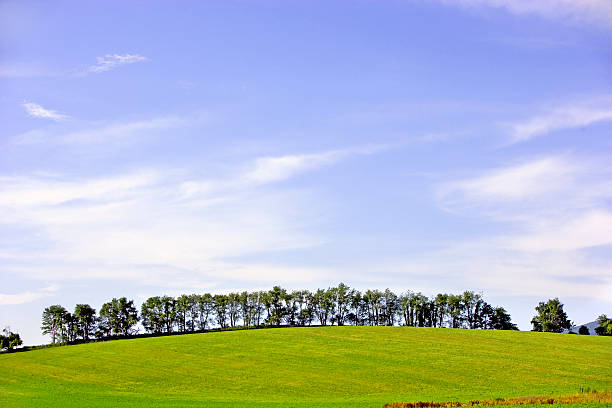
(339,305)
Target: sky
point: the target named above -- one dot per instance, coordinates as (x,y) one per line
(156,147)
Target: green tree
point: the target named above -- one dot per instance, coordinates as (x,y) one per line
(390,307)
(605,326)
(324,305)
(551,317)
(85,319)
(119,316)
(455,308)
(152,315)
(584,330)
(220,309)
(205,308)
(500,320)
(233,308)
(54,323)
(9,340)
(343,295)
(274,303)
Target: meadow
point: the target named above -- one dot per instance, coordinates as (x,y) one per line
(307,367)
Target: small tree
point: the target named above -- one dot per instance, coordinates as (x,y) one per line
(550,317)
(583,330)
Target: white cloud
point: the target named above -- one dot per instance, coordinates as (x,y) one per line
(108,133)
(559,119)
(38,111)
(159,226)
(575,11)
(26,297)
(554,205)
(589,229)
(112,61)
(272,169)
(518,182)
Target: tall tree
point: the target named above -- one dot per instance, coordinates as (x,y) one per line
(220,310)
(274,303)
(343,295)
(85,317)
(390,307)
(54,323)
(455,308)
(182,311)
(119,316)
(233,308)
(205,309)
(551,317)
(152,315)
(324,305)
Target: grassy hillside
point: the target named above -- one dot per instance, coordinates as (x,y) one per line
(306,367)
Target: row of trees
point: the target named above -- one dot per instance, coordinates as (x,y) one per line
(340,305)
(117,318)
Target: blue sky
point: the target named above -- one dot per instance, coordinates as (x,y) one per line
(152,148)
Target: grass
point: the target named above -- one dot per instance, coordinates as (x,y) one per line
(307,367)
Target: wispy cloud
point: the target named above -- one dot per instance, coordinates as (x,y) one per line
(112,61)
(555,203)
(271,169)
(164,226)
(548,210)
(560,118)
(518,182)
(108,132)
(582,11)
(26,297)
(37,111)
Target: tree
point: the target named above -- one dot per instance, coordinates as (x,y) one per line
(605,326)
(324,305)
(54,323)
(205,308)
(152,314)
(9,340)
(500,320)
(85,319)
(584,330)
(119,316)
(550,317)
(274,305)
(343,295)
(220,309)
(390,307)
(233,308)
(441,309)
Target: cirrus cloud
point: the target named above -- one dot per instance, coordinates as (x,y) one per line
(112,61)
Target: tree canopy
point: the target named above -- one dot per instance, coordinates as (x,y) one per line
(339,305)
(605,326)
(551,317)
(9,340)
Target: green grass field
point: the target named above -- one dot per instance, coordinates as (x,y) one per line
(306,367)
